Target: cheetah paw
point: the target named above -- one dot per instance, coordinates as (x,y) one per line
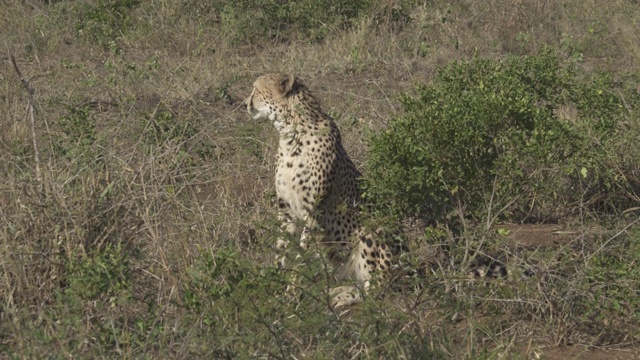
(345,296)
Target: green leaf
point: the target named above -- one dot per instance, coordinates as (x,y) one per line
(584,172)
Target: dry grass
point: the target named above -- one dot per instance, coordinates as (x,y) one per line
(166,169)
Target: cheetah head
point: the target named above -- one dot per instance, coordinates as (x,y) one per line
(269,96)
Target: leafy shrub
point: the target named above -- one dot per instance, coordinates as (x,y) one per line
(490,135)
(79,129)
(247,309)
(611,279)
(250,20)
(226,290)
(168,129)
(79,126)
(103,273)
(103,21)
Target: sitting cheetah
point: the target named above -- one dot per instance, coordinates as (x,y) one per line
(316,182)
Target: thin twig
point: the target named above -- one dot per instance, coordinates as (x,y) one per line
(30,110)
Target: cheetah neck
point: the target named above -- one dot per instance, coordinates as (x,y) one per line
(301,117)
(300,114)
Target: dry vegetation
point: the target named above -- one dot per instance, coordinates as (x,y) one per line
(150,231)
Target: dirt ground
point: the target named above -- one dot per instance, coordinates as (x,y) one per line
(578,352)
(545,234)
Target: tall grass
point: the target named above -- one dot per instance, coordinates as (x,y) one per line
(151,231)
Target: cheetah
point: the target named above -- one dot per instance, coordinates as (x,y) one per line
(317,182)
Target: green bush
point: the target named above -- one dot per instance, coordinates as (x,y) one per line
(185,134)
(79,129)
(103,21)
(611,277)
(247,310)
(282,20)
(102,274)
(489,135)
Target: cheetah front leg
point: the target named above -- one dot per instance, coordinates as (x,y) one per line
(311,233)
(288,224)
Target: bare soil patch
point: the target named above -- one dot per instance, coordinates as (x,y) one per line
(545,234)
(579,353)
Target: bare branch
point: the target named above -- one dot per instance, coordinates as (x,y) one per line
(31,111)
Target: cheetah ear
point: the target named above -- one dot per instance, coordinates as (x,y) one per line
(286,83)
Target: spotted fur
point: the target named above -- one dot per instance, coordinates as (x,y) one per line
(317,182)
